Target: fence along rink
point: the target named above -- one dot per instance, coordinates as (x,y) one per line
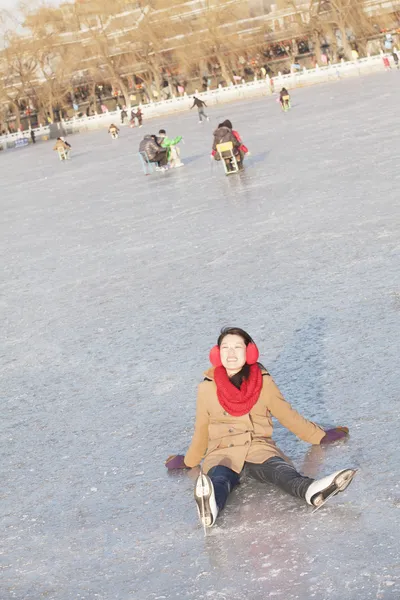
(221,95)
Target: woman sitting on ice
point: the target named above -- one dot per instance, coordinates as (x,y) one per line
(233,432)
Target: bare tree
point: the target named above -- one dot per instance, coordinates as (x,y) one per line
(55,62)
(101,44)
(18,73)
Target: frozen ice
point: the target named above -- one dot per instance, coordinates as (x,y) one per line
(114,288)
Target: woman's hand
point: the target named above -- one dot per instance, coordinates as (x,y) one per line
(176,461)
(335,434)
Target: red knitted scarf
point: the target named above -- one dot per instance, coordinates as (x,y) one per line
(238,402)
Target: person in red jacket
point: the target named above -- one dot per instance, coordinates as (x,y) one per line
(233,432)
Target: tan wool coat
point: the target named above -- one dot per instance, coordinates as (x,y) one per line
(60,145)
(231,441)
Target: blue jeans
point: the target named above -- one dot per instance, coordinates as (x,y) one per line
(274,470)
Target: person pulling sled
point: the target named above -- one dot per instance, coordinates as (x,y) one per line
(233,432)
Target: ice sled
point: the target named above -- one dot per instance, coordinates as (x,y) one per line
(147,166)
(64,154)
(285,103)
(227,157)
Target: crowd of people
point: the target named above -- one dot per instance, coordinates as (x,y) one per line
(238,397)
(164,152)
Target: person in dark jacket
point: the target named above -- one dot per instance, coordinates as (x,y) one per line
(155,153)
(223,134)
(123,115)
(200,107)
(139,116)
(284,99)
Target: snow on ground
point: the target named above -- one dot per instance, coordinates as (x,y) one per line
(114,288)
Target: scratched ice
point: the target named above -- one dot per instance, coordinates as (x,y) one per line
(114,288)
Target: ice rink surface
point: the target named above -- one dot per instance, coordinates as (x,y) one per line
(114,288)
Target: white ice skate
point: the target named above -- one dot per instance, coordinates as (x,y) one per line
(321,490)
(205,498)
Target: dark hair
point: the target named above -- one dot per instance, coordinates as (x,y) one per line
(162,131)
(227,123)
(235,331)
(244,372)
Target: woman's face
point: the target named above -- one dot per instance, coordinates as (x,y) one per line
(233,353)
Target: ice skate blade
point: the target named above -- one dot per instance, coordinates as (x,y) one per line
(341,482)
(202,495)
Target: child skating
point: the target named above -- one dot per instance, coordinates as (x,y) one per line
(233,432)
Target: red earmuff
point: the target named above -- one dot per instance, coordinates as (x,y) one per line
(252,355)
(215,357)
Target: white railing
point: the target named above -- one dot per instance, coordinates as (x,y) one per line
(256,88)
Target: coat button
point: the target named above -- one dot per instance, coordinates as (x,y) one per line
(246,443)
(231,445)
(231,430)
(225,413)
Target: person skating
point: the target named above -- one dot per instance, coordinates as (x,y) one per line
(113,131)
(284,99)
(154,152)
(173,152)
(123,115)
(233,431)
(200,107)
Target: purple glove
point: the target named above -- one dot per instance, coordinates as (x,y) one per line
(176,461)
(332,435)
